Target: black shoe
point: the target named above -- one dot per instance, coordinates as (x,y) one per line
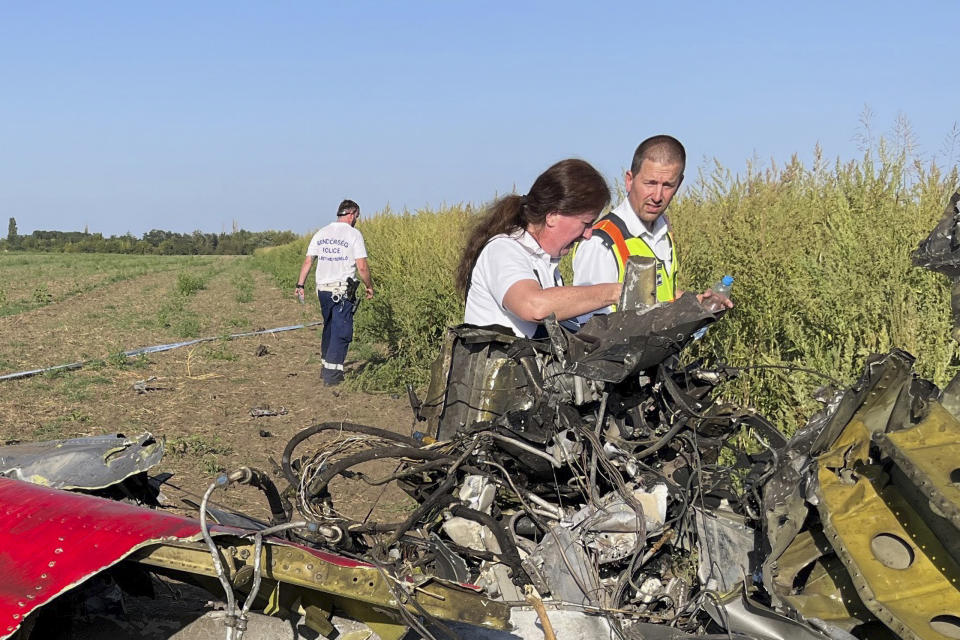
(332,378)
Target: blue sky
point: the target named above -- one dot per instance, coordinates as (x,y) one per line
(129,116)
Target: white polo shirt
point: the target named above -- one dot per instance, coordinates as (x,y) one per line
(337,247)
(594,263)
(504,261)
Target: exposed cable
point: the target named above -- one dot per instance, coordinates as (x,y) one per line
(132,353)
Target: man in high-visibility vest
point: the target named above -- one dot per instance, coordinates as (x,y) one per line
(638,226)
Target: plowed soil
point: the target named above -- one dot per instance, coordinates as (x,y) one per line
(206,400)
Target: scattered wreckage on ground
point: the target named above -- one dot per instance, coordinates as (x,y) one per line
(586,484)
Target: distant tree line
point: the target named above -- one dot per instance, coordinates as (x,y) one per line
(154,242)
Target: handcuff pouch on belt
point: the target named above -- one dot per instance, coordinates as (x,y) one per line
(345,292)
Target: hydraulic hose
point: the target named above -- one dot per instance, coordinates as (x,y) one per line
(339,426)
(257,573)
(508,549)
(662,442)
(410,471)
(318,484)
(438,499)
(231,617)
(280,509)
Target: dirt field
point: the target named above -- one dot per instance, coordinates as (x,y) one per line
(201,396)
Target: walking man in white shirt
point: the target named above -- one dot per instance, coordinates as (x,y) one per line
(341,255)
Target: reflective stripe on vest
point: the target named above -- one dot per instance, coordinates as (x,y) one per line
(612,230)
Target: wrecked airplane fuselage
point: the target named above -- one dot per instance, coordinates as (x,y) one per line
(638,504)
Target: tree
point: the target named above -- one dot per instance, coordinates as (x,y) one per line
(12,230)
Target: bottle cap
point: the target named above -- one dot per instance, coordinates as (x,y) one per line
(726,281)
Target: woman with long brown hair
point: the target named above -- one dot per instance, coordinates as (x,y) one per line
(508,271)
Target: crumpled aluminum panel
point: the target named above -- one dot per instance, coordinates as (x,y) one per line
(81,463)
(940,251)
(611,347)
(478,376)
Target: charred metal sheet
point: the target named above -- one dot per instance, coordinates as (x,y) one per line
(611,347)
(81,463)
(484,372)
(940,251)
(479,375)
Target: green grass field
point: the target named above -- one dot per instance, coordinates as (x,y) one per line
(32,280)
(118,301)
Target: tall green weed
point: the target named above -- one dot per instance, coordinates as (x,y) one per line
(412,259)
(823,274)
(820,255)
(283,263)
(189,283)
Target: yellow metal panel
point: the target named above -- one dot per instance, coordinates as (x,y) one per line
(854,514)
(827,592)
(929,454)
(294,566)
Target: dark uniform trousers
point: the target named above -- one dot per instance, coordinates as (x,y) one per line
(337,334)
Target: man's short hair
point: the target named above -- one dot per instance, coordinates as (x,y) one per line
(662,149)
(347,207)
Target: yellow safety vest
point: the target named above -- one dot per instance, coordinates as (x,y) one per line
(614,234)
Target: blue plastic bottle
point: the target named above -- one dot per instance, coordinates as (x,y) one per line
(712,305)
(721,288)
